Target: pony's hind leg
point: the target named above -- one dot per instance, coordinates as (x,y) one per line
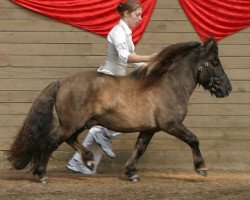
(55,140)
(86,155)
(181,132)
(140,147)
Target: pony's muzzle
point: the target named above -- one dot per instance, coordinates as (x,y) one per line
(229,89)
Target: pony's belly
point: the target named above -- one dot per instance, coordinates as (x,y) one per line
(128,124)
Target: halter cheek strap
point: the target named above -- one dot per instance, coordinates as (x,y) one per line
(213,79)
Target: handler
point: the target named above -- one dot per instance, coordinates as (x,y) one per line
(120,52)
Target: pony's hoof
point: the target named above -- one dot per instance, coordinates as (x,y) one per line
(43,180)
(90,165)
(134,178)
(202,171)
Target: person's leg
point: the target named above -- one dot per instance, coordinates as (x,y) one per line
(103,137)
(76,164)
(98,140)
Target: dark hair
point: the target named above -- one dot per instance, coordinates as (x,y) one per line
(129,5)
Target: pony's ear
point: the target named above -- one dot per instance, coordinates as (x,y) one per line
(210,44)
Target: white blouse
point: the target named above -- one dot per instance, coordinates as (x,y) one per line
(120,45)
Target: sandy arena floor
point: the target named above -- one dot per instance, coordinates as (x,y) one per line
(167,184)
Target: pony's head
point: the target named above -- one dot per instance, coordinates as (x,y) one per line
(208,71)
(211,74)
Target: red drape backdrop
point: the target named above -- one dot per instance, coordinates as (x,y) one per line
(97,16)
(219,18)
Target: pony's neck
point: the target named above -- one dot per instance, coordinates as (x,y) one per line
(183,75)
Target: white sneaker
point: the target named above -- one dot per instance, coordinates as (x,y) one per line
(77,166)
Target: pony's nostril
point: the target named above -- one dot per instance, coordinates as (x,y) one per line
(229,89)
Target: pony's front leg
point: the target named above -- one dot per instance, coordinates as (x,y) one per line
(181,132)
(140,147)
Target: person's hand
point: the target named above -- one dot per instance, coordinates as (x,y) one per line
(145,64)
(152,57)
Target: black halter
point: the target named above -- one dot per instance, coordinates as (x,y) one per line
(212,85)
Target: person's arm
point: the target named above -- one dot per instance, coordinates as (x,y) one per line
(134,58)
(118,38)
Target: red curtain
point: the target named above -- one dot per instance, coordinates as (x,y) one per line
(219,18)
(97,16)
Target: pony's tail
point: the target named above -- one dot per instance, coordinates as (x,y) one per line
(32,142)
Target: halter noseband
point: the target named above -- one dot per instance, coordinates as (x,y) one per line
(213,79)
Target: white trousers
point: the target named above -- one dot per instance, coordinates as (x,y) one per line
(91,145)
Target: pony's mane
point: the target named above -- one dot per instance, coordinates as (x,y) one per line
(165,61)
